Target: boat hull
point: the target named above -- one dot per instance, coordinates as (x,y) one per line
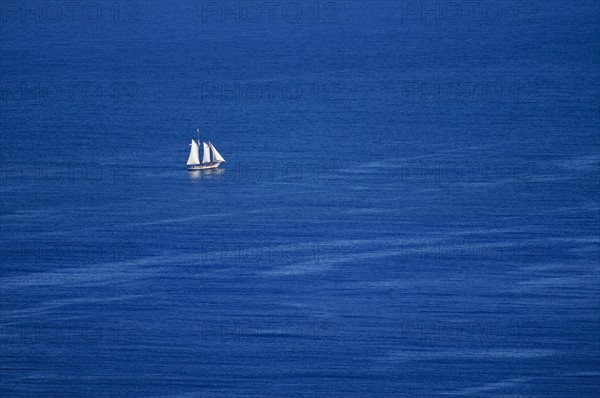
(203,166)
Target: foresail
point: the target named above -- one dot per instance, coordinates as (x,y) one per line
(216,155)
(194,155)
(206,153)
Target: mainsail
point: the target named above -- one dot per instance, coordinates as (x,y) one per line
(217,158)
(194,158)
(205,154)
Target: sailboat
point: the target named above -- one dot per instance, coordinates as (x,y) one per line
(211,158)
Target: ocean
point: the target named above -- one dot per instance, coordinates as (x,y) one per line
(409,205)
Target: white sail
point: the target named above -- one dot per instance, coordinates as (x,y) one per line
(194,155)
(216,155)
(206,154)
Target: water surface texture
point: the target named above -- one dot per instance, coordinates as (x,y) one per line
(409,206)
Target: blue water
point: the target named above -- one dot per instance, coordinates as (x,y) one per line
(409,206)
